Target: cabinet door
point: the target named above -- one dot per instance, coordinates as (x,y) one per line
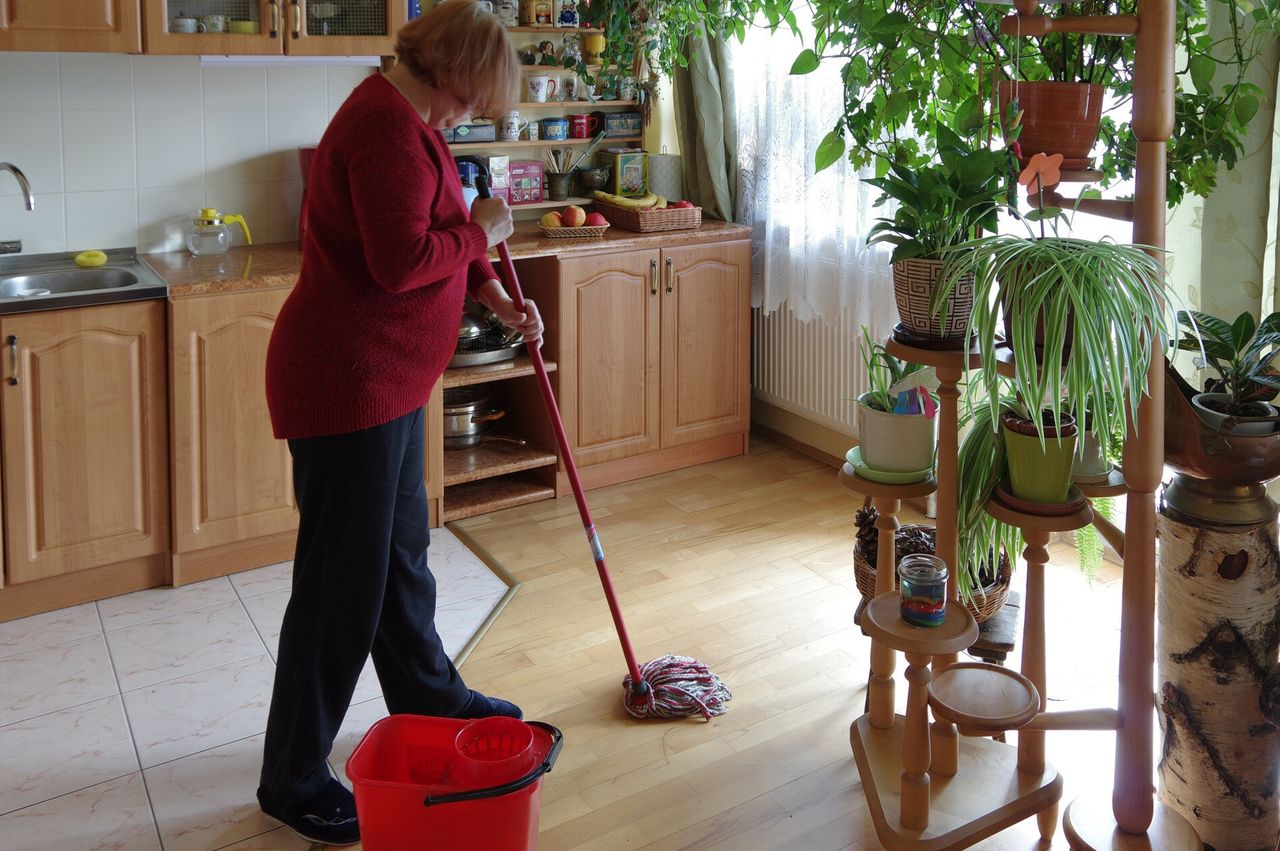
(232,478)
(100,26)
(706,340)
(84,439)
(248,27)
(343,27)
(609,331)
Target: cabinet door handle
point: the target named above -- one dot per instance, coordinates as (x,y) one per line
(671,275)
(295,12)
(653,276)
(13,358)
(275,18)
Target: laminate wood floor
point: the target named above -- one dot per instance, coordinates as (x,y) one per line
(746,565)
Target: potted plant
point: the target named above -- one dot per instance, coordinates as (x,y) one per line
(1241,353)
(938,206)
(897,419)
(980,466)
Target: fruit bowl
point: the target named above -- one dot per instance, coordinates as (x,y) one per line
(582,232)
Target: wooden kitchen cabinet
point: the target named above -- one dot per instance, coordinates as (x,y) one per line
(654,350)
(289,27)
(233,503)
(83,450)
(99,26)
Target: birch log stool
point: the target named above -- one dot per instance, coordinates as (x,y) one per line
(1219,611)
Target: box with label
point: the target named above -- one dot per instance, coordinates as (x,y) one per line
(629,169)
(477,131)
(526,182)
(499,171)
(623,124)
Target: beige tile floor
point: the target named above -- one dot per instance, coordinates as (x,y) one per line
(136,723)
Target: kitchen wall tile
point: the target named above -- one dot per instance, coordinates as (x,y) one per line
(206,710)
(342,79)
(111,816)
(98,150)
(164,215)
(29,81)
(52,678)
(235,87)
(50,628)
(235,146)
(170,147)
(206,800)
(167,82)
(96,80)
(296,87)
(155,603)
(58,753)
(182,645)
(250,200)
(42,230)
(287,128)
(33,142)
(285,200)
(101,220)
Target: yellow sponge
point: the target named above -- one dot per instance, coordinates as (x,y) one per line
(89,259)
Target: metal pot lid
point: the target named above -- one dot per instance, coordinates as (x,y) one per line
(471,327)
(462,399)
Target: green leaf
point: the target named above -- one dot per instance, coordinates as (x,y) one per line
(829,150)
(882,166)
(1202,70)
(1245,109)
(806,63)
(1242,330)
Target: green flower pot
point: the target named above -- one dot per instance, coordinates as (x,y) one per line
(1039,473)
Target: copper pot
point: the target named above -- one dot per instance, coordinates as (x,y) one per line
(1057,118)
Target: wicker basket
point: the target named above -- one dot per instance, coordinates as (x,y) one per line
(983,607)
(650,220)
(583,232)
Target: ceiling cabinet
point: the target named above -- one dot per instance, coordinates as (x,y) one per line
(273,27)
(100,26)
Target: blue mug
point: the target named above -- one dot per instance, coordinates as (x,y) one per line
(555,129)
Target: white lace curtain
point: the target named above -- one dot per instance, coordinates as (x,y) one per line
(809,230)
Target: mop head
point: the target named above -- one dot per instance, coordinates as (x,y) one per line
(677,687)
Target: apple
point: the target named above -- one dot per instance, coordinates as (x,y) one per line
(596,220)
(573,216)
(681,205)
(551,220)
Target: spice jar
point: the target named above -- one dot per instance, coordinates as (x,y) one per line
(924,589)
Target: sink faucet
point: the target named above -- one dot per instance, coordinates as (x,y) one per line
(14,246)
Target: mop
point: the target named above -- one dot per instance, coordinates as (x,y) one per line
(667,687)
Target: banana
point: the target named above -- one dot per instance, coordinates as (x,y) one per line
(660,204)
(644,202)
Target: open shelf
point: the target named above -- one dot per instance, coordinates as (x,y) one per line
(521,365)
(550,30)
(459,147)
(490,458)
(547,205)
(481,497)
(590,103)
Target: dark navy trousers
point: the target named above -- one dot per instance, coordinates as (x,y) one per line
(360,585)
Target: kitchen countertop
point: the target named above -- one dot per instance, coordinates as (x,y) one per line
(277,265)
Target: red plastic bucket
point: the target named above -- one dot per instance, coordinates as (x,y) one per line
(424,783)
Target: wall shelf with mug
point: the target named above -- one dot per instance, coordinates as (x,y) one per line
(473,147)
(272,27)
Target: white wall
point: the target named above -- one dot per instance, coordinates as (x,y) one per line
(123,150)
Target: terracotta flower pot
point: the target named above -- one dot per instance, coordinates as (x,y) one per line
(1039,473)
(1057,118)
(914,283)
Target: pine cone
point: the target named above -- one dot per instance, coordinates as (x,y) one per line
(914,539)
(868,535)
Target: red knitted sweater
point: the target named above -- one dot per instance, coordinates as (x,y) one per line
(389,254)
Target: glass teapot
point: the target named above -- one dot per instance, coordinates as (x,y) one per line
(210,233)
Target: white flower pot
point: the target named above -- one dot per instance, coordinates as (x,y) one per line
(895,443)
(1090,465)
(1215,419)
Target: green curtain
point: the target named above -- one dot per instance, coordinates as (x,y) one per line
(706,128)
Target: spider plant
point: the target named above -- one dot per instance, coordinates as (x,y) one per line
(884,372)
(1114,296)
(980,466)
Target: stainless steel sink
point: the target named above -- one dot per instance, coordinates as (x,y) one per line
(48,281)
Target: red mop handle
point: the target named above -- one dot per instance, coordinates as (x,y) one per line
(570,468)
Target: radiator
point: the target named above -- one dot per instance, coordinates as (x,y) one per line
(812,369)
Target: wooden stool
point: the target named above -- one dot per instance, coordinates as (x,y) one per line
(981,699)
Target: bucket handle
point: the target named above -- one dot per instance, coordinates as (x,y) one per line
(557,741)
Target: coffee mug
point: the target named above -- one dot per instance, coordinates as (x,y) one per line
(212,24)
(555,129)
(569,88)
(512,126)
(183,25)
(583,126)
(242,27)
(541,88)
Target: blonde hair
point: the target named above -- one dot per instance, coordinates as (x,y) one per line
(462,47)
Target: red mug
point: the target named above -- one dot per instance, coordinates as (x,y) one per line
(583,126)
